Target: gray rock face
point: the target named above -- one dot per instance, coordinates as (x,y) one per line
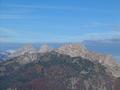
(73,50)
(76,50)
(45,48)
(26,49)
(27,54)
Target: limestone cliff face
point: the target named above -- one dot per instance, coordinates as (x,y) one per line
(76,50)
(45,48)
(73,50)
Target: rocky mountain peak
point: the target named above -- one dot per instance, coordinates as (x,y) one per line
(45,48)
(73,50)
(59,71)
(79,50)
(28,48)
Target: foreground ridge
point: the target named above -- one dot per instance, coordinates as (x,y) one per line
(73,50)
(69,67)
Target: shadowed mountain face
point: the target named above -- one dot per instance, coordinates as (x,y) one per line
(55,70)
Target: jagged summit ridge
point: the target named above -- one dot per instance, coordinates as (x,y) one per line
(63,71)
(76,50)
(73,50)
(28,48)
(72,66)
(45,48)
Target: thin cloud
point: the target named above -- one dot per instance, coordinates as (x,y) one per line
(11,17)
(32,36)
(7,35)
(71,8)
(94,36)
(44,7)
(7,31)
(103,24)
(116,40)
(102,36)
(21,11)
(3,40)
(15,11)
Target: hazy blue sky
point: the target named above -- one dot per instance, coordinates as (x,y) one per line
(59,20)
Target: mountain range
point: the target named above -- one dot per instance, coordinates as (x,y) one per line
(69,67)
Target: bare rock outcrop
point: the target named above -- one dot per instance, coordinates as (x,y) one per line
(45,48)
(25,49)
(76,50)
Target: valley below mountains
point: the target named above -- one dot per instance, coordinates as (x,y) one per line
(69,67)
